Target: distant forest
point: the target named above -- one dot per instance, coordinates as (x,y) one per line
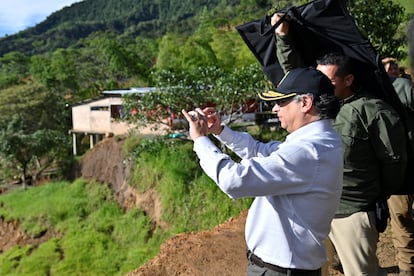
(145,18)
(190,49)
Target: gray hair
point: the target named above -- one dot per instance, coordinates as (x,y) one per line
(327,105)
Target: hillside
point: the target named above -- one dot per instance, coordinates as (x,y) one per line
(147,19)
(151,19)
(219,251)
(208,252)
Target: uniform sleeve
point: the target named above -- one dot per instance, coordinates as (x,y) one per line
(405,92)
(389,141)
(287,55)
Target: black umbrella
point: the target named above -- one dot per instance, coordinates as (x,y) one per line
(320,27)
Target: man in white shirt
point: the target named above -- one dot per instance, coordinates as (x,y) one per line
(296,184)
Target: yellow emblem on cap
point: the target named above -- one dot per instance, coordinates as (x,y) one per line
(273,95)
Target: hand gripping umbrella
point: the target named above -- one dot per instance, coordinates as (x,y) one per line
(320,27)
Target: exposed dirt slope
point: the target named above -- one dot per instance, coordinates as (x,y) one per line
(220,251)
(105,163)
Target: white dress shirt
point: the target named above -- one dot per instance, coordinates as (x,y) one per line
(296,184)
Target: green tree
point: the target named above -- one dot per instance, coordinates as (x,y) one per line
(14,66)
(197,51)
(230,92)
(33,130)
(41,70)
(145,52)
(110,62)
(169,52)
(64,70)
(30,152)
(235,91)
(223,45)
(176,89)
(383,23)
(230,50)
(112,54)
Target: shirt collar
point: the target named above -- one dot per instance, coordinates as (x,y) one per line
(310,129)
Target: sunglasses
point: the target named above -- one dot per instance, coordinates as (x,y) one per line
(283,102)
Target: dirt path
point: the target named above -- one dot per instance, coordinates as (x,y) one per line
(221,251)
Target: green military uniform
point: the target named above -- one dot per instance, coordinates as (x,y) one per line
(374,144)
(373,155)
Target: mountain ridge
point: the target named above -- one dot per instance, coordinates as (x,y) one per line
(64,28)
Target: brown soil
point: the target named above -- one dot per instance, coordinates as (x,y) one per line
(219,251)
(11,235)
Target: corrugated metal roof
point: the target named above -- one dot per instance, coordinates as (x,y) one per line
(132,90)
(118,93)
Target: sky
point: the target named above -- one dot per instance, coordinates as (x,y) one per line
(18,15)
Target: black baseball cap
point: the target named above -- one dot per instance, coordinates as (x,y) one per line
(300,81)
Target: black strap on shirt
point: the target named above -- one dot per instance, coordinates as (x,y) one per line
(293,271)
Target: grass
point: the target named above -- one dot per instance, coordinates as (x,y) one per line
(407,4)
(171,167)
(95,235)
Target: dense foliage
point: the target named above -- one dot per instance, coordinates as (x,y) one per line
(96,237)
(93,235)
(383,27)
(148,19)
(189,50)
(33,127)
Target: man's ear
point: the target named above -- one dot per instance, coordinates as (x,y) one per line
(307,103)
(349,80)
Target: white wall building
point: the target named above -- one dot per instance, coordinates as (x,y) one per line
(99,118)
